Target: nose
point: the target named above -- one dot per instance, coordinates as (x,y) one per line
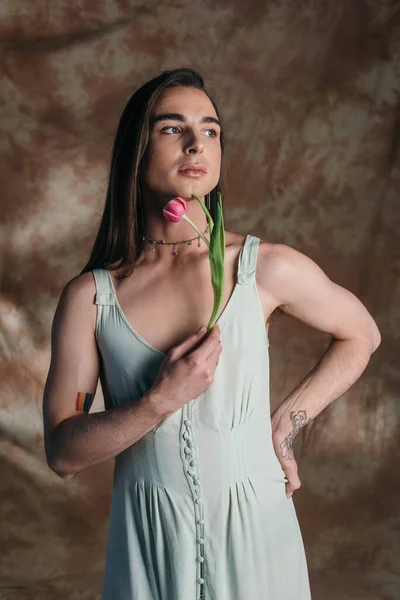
(194,143)
(195,150)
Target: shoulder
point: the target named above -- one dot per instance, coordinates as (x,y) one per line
(275,259)
(77,299)
(281,256)
(80,288)
(283,270)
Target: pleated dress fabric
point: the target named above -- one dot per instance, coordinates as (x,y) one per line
(199,509)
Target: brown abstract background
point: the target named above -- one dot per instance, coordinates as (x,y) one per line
(310,94)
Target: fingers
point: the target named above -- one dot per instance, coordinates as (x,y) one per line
(215,346)
(210,346)
(188,344)
(201,344)
(292,481)
(215,354)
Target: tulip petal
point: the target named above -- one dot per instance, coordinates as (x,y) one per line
(170,216)
(174,210)
(180,204)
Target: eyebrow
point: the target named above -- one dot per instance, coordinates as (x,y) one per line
(180,117)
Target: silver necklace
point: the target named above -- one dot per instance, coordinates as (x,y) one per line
(188,242)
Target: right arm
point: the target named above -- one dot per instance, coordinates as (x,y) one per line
(75,439)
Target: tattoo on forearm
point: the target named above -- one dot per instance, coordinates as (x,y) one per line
(299,420)
(84,401)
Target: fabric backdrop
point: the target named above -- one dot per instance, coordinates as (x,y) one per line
(309,92)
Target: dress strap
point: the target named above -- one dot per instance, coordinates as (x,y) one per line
(248,259)
(104,289)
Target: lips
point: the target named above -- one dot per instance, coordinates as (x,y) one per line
(193,167)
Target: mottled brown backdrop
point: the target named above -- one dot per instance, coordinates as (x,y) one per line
(310,95)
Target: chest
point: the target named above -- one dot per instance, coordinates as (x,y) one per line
(164,309)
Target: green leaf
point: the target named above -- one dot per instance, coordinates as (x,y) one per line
(217,257)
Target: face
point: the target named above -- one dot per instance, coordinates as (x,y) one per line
(190,135)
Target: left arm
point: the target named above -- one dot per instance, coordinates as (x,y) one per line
(302,290)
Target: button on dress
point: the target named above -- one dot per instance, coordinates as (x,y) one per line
(199,509)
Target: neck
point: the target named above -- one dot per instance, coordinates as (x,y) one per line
(157,228)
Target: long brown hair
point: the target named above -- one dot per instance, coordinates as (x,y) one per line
(119,237)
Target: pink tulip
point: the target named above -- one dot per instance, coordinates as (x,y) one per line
(174,210)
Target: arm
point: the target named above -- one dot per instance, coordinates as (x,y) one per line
(75,439)
(301,289)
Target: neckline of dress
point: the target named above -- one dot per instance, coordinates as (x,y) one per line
(220,318)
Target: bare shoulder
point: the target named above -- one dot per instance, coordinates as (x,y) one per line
(286,273)
(81,288)
(278,252)
(280,259)
(274,259)
(77,298)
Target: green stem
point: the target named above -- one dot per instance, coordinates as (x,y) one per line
(197,229)
(205,209)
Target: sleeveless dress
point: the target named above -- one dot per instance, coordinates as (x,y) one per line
(199,509)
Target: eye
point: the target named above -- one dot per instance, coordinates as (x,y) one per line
(170,127)
(214,131)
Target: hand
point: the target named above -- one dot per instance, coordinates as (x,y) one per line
(187,371)
(283,446)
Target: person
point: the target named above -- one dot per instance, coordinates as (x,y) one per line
(201,501)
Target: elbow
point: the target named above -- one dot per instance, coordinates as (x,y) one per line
(54,458)
(60,469)
(63,474)
(376,340)
(371,337)
(376,345)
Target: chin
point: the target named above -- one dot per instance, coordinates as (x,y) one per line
(186,191)
(189,197)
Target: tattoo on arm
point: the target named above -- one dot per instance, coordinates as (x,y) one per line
(299,420)
(84,401)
